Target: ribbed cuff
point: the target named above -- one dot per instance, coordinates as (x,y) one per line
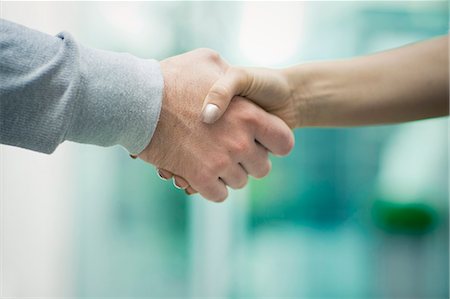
(118,101)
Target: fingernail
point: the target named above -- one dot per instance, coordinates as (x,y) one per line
(161,176)
(175,184)
(210,113)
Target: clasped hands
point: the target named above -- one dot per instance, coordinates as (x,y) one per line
(207,142)
(218,123)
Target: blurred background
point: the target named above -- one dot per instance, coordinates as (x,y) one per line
(351,213)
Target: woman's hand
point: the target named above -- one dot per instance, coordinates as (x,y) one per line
(269,88)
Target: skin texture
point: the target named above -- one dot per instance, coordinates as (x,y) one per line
(399,85)
(210,157)
(268,88)
(404,84)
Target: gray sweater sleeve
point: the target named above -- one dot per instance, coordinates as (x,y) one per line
(53,89)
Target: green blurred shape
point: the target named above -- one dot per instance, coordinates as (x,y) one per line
(403,218)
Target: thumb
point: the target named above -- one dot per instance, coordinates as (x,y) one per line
(216,102)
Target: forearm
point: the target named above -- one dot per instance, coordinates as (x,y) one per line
(399,85)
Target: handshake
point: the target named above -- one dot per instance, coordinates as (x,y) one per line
(218,123)
(205,151)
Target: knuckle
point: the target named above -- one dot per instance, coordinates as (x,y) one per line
(219,91)
(221,197)
(240,147)
(204,175)
(209,53)
(215,194)
(220,164)
(258,175)
(249,116)
(288,144)
(214,55)
(241,183)
(264,170)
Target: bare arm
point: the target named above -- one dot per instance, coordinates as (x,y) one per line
(399,85)
(403,84)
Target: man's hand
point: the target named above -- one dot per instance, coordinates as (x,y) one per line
(210,157)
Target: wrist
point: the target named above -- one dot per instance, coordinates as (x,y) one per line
(316,90)
(174,117)
(300,96)
(152,153)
